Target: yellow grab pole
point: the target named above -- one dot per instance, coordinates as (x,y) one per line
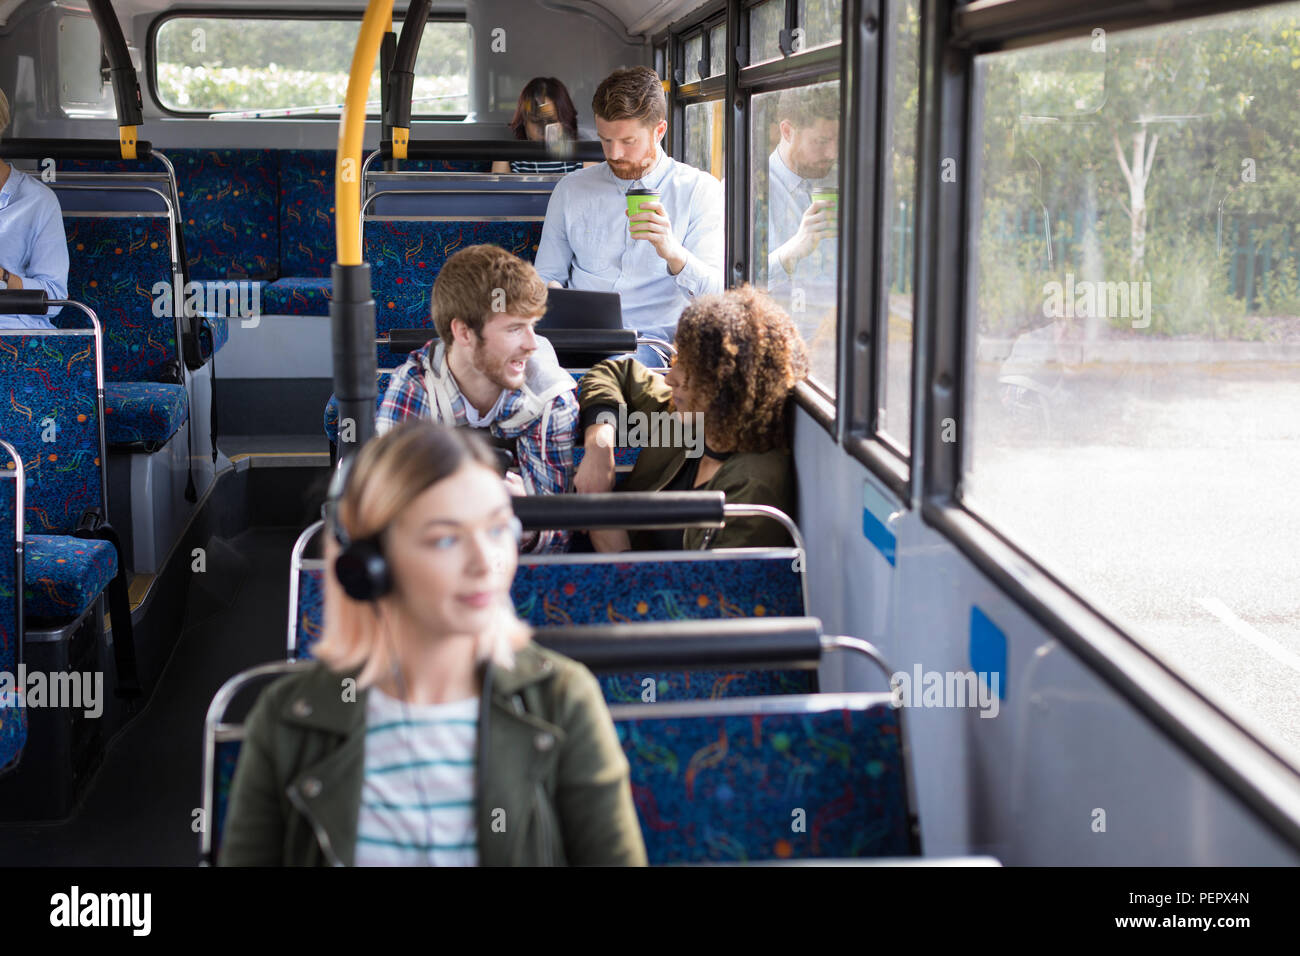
(352,130)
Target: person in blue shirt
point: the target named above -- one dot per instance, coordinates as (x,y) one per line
(588,239)
(801,232)
(33,247)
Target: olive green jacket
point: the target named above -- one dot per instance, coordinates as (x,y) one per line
(552,781)
(756,478)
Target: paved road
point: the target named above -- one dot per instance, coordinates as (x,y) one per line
(1169,495)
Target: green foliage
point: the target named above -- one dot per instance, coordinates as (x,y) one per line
(1189,290)
(215,90)
(218,64)
(1219,93)
(1279,290)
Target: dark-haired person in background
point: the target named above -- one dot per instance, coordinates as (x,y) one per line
(33,246)
(739,358)
(658,260)
(456,722)
(544,101)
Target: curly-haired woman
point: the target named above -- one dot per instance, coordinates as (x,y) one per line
(739,357)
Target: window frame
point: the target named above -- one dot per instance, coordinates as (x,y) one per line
(866,341)
(820,64)
(708,90)
(276,13)
(680,93)
(1207,729)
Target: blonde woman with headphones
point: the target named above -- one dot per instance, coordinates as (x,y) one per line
(432,731)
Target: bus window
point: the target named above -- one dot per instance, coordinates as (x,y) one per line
(718,50)
(694,52)
(703,129)
(820,20)
(895,384)
(1132,407)
(766,21)
(795,139)
(230,64)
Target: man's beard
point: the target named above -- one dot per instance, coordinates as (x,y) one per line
(814,170)
(635,171)
(494,372)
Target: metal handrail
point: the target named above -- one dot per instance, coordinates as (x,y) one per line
(212,726)
(295,565)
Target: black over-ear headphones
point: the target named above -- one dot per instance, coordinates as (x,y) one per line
(361,567)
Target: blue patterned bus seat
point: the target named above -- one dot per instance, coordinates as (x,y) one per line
(688,588)
(406,255)
(114,266)
(13,718)
(149,412)
(768,786)
(311,610)
(64,575)
(51,417)
(332,406)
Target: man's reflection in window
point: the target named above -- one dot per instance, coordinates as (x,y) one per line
(801,230)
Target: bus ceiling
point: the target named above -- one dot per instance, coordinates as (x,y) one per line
(634,18)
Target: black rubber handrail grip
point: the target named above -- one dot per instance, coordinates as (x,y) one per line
(401,78)
(24,302)
(121,71)
(492,149)
(623,509)
(71,149)
(402,341)
(591,340)
(668,645)
(601,341)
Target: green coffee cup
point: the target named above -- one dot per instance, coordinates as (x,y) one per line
(831,195)
(635,199)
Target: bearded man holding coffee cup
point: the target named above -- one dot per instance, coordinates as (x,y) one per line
(803,207)
(640,224)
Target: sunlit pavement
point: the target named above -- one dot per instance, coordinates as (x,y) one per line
(1170,497)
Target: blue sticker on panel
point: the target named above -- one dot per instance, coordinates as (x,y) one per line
(877,516)
(988,651)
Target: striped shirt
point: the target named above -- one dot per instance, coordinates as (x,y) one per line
(417,797)
(543,166)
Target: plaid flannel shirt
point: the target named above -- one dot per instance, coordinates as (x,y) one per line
(543,446)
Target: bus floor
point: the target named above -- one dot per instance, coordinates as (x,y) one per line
(140,809)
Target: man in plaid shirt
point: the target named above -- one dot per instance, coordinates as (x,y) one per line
(488,369)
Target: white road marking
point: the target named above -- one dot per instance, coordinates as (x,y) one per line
(1239,627)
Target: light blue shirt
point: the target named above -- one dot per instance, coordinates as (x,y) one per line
(586,243)
(33,245)
(788,196)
